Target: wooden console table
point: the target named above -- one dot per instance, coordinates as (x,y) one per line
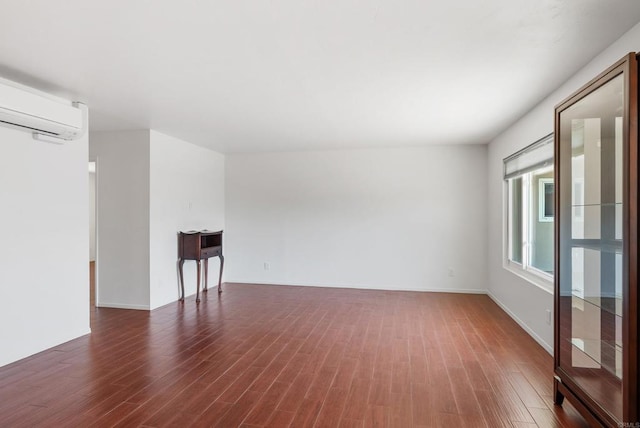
(198,246)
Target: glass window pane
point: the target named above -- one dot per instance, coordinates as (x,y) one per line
(540,218)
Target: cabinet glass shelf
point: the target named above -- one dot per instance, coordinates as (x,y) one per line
(612,204)
(612,305)
(590,353)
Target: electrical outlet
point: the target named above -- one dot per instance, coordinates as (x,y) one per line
(267,266)
(548,316)
(451,272)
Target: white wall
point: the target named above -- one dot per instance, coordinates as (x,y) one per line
(92,216)
(524,301)
(44,263)
(187,193)
(123,213)
(378,218)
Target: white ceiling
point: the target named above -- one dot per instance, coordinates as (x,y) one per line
(262,75)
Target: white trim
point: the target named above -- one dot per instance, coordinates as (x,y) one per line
(96,267)
(522,324)
(506,223)
(124,306)
(83,332)
(530,273)
(546,277)
(525,211)
(362,287)
(530,276)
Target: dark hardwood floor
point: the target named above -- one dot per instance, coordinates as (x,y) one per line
(292,356)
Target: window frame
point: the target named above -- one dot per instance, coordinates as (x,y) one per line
(525,270)
(542,200)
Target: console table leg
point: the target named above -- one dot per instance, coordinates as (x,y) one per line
(205,287)
(198,283)
(220,277)
(180,264)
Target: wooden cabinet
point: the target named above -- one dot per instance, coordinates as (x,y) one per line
(198,246)
(596,239)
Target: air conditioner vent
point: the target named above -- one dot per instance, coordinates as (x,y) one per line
(39,113)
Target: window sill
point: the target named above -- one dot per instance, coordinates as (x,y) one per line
(535,279)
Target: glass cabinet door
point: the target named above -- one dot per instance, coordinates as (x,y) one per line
(591,243)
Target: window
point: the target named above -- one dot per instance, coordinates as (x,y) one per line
(545,199)
(528,175)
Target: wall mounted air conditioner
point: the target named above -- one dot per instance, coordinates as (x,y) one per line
(47,117)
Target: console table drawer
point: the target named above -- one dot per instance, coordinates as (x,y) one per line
(205,253)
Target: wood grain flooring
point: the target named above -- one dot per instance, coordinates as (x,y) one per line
(278,356)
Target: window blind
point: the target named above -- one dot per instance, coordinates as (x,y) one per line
(537,155)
